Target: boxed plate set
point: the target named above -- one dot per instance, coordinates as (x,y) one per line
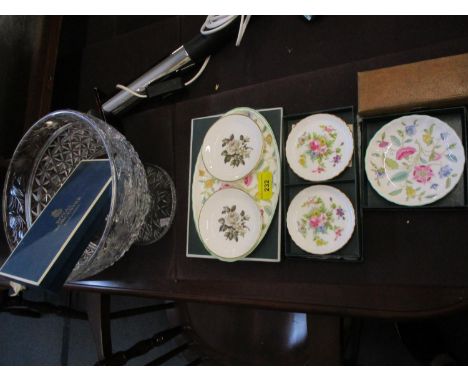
(235,183)
(321,187)
(234,186)
(403,153)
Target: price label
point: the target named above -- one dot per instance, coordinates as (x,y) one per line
(265,185)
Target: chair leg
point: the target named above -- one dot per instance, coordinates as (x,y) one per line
(141,347)
(166,357)
(98,308)
(141,310)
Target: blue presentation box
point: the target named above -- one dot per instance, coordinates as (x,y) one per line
(54,243)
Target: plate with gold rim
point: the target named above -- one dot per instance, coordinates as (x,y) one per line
(319,147)
(320,219)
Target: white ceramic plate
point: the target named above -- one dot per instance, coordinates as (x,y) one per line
(414,160)
(230,224)
(319,147)
(232,147)
(320,219)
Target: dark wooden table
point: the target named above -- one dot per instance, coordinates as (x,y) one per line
(415,265)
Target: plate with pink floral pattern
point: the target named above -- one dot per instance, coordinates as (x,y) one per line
(320,219)
(319,147)
(414,160)
(232,147)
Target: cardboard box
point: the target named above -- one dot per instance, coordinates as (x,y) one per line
(432,83)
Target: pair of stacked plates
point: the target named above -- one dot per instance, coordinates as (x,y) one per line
(230,211)
(320,218)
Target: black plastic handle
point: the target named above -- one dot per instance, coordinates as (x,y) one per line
(202,46)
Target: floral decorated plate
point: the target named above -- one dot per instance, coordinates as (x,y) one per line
(204,184)
(414,160)
(230,224)
(319,147)
(232,147)
(320,219)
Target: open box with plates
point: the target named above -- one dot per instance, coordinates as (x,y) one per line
(223,154)
(342,186)
(414,160)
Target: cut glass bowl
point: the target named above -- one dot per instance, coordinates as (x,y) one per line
(49,152)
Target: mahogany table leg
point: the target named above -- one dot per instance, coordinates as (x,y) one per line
(98,308)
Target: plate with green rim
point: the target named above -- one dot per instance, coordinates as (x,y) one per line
(230,224)
(204,184)
(232,147)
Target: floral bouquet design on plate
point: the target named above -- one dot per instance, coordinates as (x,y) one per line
(321,220)
(415,160)
(233,223)
(236,150)
(320,149)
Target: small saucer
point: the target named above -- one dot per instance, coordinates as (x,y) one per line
(230,224)
(319,147)
(320,219)
(232,147)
